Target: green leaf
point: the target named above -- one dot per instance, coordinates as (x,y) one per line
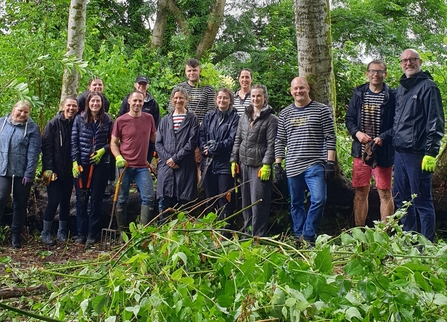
(177,275)
(353,312)
(323,261)
(358,234)
(84,305)
(353,268)
(440,299)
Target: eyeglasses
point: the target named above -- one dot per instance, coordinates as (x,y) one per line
(411,60)
(375,71)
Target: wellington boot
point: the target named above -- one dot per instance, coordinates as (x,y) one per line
(46,237)
(146,214)
(121,218)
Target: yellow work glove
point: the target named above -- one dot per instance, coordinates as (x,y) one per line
(429,163)
(76,170)
(234,168)
(120,162)
(264,172)
(96,156)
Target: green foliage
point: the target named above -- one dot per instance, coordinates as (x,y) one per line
(187,270)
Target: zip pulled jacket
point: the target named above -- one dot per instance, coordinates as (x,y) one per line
(218,126)
(419,120)
(56,146)
(384,153)
(19,148)
(150,105)
(86,138)
(254,144)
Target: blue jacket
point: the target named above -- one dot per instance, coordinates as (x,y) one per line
(385,153)
(419,120)
(87,138)
(220,127)
(19,148)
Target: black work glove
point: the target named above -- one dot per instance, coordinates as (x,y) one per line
(329,170)
(278,173)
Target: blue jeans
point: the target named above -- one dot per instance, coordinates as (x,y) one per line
(307,224)
(143,180)
(410,179)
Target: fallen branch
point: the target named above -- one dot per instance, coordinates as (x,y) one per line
(22,291)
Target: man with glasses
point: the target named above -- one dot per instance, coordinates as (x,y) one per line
(369,120)
(418,130)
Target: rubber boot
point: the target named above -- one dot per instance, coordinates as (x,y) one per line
(46,237)
(16,240)
(146,214)
(121,218)
(62,231)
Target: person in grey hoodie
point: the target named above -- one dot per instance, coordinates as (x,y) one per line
(19,152)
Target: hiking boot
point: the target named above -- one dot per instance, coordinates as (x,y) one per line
(110,190)
(62,235)
(90,241)
(16,241)
(80,240)
(47,239)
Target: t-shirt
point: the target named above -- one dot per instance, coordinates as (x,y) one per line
(371,113)
(134,134)
(241,103)
(177,121)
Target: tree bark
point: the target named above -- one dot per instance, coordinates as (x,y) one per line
(75,45)
(313,34)
(160,24)
(213,24)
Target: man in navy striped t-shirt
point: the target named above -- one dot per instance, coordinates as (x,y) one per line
(306,131)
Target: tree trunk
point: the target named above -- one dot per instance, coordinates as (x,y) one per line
(213,24)
(75,45)
(160,24)
(313,34)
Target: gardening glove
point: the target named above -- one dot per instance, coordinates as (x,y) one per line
(264,172)
(120,162)
(429,163)
(96,156)
(76,170)
(47,174)
(329,170)
(278,173)
(234,169)
(26,180)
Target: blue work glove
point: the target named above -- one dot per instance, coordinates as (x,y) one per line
(26,180)
(96,156)
(264,172)
(329,170)
(429,163)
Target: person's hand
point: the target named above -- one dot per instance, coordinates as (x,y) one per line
(278,173)
(378,141)
(96,156)
(76,170)
(363,137)
(429,163)
(47,175)
(329,170)
(171,164)
(120,162)
(234,168)
(26,180)
(264,172)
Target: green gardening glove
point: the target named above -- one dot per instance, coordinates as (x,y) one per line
(429,163)
(77,169)
(264,172)
(120,162)
(47,174)
(234,168)
(96,156)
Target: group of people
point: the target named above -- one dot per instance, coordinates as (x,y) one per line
(401,130)
(209,137)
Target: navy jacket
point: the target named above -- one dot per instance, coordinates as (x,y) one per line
(419,121)
(150,106)
(385,153)
(220,127)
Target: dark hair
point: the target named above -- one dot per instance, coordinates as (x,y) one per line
(135,92)
(247,70)
(66,99)
(192,62)
(376,61)
(90,81)
(88,117)
(264,89)
(227,91)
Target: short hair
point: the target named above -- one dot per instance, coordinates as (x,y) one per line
(377,62)
(181,90)
(135,92)
(246,70)
(193,62)
(22,103)
(264,89)
(70,97)
(90,81)
(227,91)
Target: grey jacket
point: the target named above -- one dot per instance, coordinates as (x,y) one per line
(19,148)
(254,144)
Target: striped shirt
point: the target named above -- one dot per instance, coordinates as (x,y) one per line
(177,121)
(371,113)
(201,99)
(241,103)
(307,133)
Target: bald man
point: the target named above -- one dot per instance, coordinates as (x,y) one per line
(306,130)
(418,130)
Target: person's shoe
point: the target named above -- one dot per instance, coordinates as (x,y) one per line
(110,190)
(90,241)
(80,240)
(62,235)
(16,241)
(47,239)
(146,214)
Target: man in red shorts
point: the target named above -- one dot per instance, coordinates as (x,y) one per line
(369,120)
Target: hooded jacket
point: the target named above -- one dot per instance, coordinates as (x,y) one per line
(419,121)
(385,153)
(150,105)
(56,146)
(218,126)
(19,148)
(254,144)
